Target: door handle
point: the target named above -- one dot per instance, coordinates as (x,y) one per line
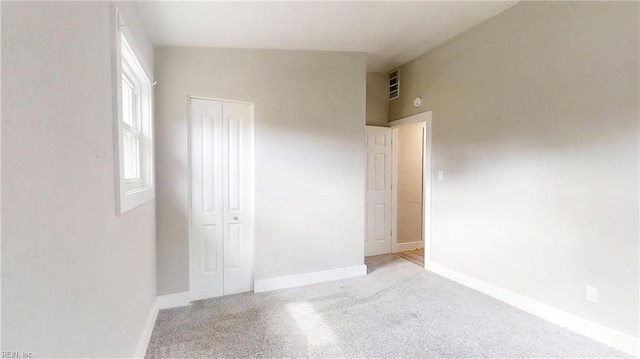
(235,218)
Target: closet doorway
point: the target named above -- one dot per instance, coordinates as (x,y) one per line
(221,167)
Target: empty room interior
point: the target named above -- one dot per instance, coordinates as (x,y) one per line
(427,179)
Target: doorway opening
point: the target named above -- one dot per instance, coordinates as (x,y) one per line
(398,189)
(407,191)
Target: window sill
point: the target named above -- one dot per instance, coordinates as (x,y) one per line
(134,198)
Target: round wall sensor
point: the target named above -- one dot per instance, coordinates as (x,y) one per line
(417,102)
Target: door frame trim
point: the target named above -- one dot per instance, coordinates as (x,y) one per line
(251,175)
(425,117)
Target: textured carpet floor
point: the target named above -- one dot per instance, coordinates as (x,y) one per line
(398,310)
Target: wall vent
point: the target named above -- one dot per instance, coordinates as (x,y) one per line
(394,84)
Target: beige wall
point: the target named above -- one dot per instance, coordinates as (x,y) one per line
(77,279)
(409,165)
(535,121)
(309,154)
(377,99)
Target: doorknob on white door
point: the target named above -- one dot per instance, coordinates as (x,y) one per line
(235,218)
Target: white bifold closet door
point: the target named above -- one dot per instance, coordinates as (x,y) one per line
(222,198)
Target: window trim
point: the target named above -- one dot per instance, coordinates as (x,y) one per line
(131,193)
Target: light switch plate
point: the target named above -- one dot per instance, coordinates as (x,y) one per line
(440,175)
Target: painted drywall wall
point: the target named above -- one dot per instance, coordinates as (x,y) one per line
(409,166)
(377,99)
(309,154)
(77,279)
(535,123)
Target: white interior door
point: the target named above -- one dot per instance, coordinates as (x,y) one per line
(222,198)
(237,196)
(378,191)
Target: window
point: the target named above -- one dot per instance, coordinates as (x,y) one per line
(134,126)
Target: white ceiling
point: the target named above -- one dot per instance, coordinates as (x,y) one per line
(391,33)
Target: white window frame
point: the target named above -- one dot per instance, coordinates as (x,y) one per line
(132,192)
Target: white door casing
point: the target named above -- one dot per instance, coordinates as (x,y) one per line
(221,242)
(378,191)
(425,117)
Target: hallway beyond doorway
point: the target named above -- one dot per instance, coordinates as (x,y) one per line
(415,256)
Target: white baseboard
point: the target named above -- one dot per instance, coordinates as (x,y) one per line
(595,331)
(161,302)
(298,280)
(173,300)
(401,247)
(141,348)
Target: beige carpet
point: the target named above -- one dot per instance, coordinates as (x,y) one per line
(398,310)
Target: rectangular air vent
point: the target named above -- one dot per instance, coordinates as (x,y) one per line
(394,84)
